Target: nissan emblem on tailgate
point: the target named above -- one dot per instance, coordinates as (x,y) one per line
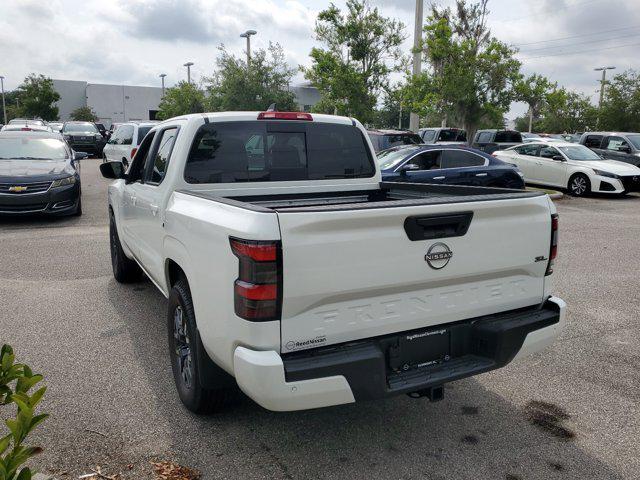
(438,255)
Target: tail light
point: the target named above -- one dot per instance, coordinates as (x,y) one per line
(285,116)
(133,152)
(258,288)
(553,250)
(26,129)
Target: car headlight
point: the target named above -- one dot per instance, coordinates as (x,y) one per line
(605,174)
(63,182)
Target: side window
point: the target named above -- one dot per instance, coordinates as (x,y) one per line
(115,137)
(428,135)
(136,169)
(428,160)
(484,137)
(593,141)
(614,143)
(508,136)
(460,159)
(157,163)
(125,135)
(531,150)
(548,152)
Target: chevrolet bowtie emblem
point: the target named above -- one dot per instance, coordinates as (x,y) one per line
(17,188)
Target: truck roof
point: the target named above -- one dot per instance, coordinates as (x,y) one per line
(253,115)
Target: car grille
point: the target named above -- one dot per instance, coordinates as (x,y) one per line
(27,207)
(24,188)
(631,183)
(82,139)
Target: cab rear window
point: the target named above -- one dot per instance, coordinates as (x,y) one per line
(269,151)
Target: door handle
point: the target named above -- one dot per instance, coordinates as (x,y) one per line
(481,174)
(439,178)
(154,209)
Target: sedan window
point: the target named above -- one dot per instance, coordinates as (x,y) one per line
(614,143)
(23,148)
(393,157)
(461,159)
(579,152)
(635,140)
(548,152)
(531,150)
(593,141)
(429,160)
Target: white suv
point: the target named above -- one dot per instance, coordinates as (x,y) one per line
(124,141)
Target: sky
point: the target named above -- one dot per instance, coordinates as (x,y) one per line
(132,41)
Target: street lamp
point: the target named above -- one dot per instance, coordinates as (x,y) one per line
(162,75)
(188,65)
(414,119)
(602,82)
(247,35)
(4,106)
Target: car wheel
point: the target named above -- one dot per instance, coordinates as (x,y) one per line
(125,270)
(185,349)
(579,185)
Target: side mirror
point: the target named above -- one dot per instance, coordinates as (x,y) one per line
(112,170)
(624,148)
(559,158)
(409,167)
(80,155)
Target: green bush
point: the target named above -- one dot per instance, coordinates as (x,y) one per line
(16,380)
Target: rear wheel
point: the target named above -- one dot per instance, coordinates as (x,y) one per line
(125,270)
(185,351)
(579,185)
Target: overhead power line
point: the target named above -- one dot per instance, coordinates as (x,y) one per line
(581,51)
(576,36)
(600,40)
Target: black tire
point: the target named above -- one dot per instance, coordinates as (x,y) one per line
(579,185)
(185,349)
(125,270)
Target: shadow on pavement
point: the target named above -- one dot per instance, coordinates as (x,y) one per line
(472,433)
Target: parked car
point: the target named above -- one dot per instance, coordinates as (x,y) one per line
(447,136)
(56,126)
(542,139)
(27,121)
(491,140)
(38,174)
(124,141)
(83,136)
(383,139)
(572,166)
(621,146)
(24,127)
(526,135)
(447,164)
(295,274)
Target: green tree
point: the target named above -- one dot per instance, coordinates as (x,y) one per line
(533,91)
(360,49)
(621,106)
(182,99)
(470,75)
(394,111)
(12,101)
(84,114)
(236,86)
(38,97)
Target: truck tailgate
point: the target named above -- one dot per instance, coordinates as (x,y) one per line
(353,274)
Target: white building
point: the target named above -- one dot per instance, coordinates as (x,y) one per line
(111,103)
(122,103)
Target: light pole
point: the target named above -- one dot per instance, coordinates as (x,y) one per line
(247,35)
(4,105)
(162,75)
(414,119)
(188,65)
(602,82)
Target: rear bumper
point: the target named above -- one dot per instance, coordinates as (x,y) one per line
(360,370)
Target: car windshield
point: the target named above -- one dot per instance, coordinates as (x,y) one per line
(579,152)
(80,127)
(25,148)
(635,140)
(391,158)
(19,121)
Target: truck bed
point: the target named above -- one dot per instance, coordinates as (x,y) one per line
(390,194)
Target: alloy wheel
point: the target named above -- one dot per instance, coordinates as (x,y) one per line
(579,185)
(182,346)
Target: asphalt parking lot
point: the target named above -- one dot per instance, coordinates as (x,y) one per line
(572,411)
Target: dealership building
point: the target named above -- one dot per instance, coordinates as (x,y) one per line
(124,103)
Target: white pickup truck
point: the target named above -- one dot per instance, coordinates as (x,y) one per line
(294,273)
